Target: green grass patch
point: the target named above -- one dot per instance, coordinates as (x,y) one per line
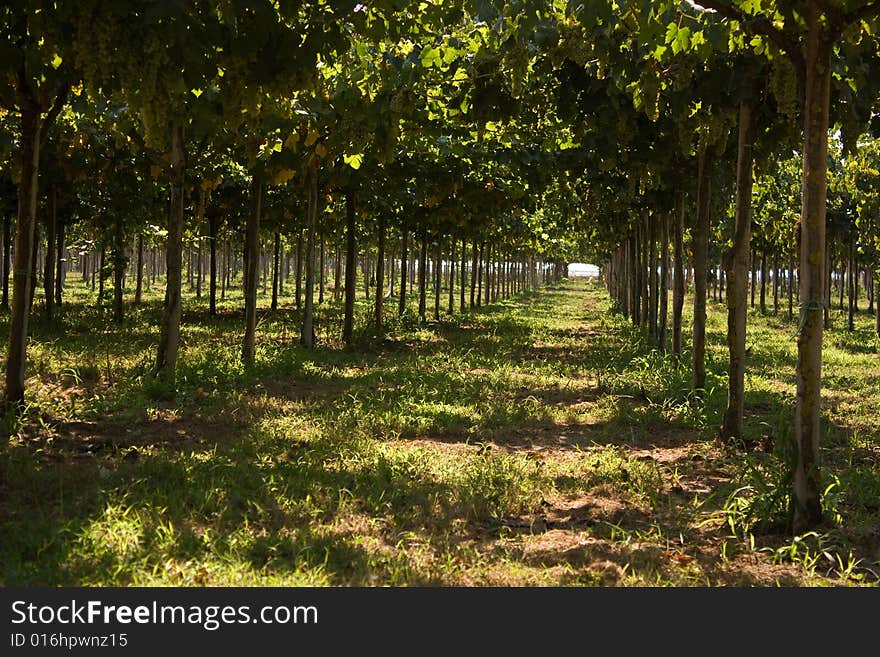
(539,440)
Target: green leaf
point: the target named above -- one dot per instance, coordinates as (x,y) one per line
(683,38)
(758,44)
(431,57)
(354,161)
(450,54)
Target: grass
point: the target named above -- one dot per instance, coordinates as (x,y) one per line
(536,441)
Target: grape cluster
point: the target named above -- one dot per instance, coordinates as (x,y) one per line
(516,68)
(572,43)
(783,86)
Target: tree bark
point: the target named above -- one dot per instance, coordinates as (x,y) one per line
(738,280)
(829,270)
(49,267)
(33,273)
(664,281)
(653,279)
(199,266)
(808,506)
(118,270)
(227,267)
(139,274)
(60,269)
(299,263)
(190,279)
(251,274)
(488,269)
(404,262)
(451,303)
(169,339)
(855,266)
(307,336)
(635,305)
(423,277)
(212,284)
(29,154)
(644,272)
(623,279)
(474,266)
(337,272)
(380,275)
(701,260)
(869,289)
(7,251)
(876,311)
(264,266)
(775,284)
(350,268)
(636,277)
(321,270)
(283,267)
(791,285)
(480,274)
(102,268)
(850,320)
(494,271)
(754,256)
(438,278)
(463,282)
(276,262)
(365,264)
(392,273)
(763,299)
(678,272)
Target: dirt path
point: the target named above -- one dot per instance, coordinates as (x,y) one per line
(514,446)
(612,533)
